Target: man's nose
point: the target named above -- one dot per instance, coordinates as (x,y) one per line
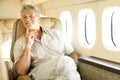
(28,18)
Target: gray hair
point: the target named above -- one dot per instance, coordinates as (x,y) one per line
(28,6)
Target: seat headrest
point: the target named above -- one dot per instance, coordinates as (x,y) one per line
(51,23)
(46,22)
(6,25)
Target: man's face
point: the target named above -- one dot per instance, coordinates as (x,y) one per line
(30,19)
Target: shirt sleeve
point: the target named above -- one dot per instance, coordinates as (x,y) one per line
(18,49)
(68,49)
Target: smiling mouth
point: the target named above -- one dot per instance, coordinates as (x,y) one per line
(30,23)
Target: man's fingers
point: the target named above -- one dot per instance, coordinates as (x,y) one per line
(32,33)
(27,30)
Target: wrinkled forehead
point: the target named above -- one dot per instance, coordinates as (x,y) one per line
(29,9)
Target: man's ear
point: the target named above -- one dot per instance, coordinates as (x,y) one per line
(39,19)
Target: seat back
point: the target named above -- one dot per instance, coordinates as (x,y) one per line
(19,30)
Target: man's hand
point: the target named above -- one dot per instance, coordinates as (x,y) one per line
(74,56)
(30,36)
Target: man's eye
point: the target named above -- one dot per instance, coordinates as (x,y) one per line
(32,16)
(24,17)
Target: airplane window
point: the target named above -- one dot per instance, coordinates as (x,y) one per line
(111,28)
(86,28)
(66,20)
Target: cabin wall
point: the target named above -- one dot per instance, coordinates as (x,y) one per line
(10,9)
(55,7)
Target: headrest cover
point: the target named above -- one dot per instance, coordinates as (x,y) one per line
(46,22)
(6,25)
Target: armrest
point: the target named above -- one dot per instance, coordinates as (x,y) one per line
(9,66)
(24,77)
(3,70)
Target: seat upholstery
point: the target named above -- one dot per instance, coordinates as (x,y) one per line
(3,69)
(19,30)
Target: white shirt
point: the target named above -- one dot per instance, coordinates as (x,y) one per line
(52,44)
(48,57)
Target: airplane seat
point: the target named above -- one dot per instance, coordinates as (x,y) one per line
(19,30)
(3,69)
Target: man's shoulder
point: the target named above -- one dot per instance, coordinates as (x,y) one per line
(54,31)
(21,39)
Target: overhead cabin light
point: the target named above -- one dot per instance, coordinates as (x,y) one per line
(33,1)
